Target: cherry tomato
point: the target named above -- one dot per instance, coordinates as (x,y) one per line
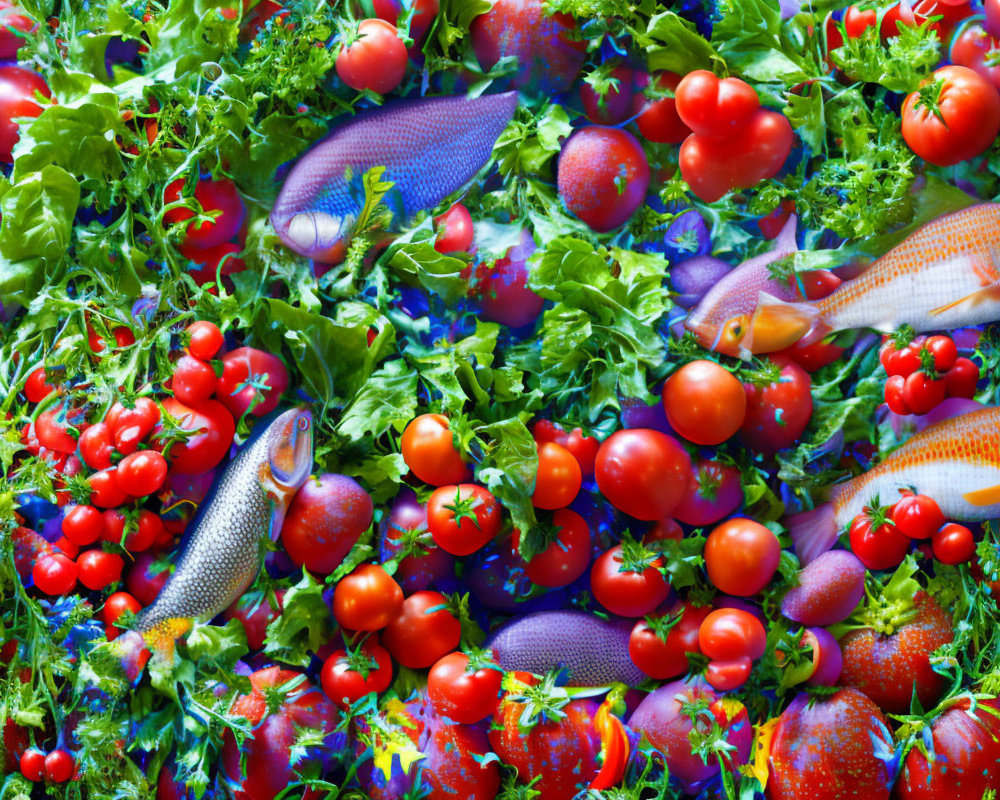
(464,691)
(953,544)
(116,605)
(36,387)
(430,453)
(18,88)
(221,200)
(952,117)
(96,446)
(251,377)
(961,380)
(367,600)
(375,59)
(922,392)
(713,107)
(664,530)
(54,574)
(213,429)
(33,764)
(347,677)
(142,582)
(558,479)
(878,546)
(82,525)
(584,448)
(903,361)
(14,24)
(104,489)
(728,675)
(98,570)
(419,636)
(704,402)
(129,426)
(659,646)
(857,21)
(503,291)
(894,388)
(613,106)
(566,558)
(193,381)
(143,473)
(149,530)
(463,518)
(917,516)
(813,356)
(727,634)
(454,230)
(204,339)
(643,472)
(625,585)
(741,556)
(716,492)
(123,337)
(658,120)
(944,351)
(778,413)
(52,428)
(59,766)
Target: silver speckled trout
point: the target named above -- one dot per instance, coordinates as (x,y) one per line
(220,554)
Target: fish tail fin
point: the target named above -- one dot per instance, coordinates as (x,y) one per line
(777,324)
(134,650)
(812,532)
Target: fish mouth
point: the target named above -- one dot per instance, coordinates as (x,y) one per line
(315,234)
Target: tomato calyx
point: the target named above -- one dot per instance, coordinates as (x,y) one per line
(878,515)
(359,660)
(275,696)
(767,372)
(465,508)
(903,336)
(541,703)
(929,97)
(927,363)
(891,606)
(537,540)
(635,557)
(79,488)
(480,658)
(662,625)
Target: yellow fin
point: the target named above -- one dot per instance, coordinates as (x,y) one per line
(991,292)
(983,497)
(776,324)
(758,766)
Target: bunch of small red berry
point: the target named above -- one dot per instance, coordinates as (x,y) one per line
(923,371)
(55,767)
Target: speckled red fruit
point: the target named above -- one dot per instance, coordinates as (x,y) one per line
(614,105)
(602,176)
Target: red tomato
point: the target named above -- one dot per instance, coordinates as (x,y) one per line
(917,516)
(149,530)
(659,645)
(142,474)
(129,426)
(98,570)
(54,574)
(566,558)
(14,24)
(664,530)
(992,9)
(954,116)
(251,377)
(429,451)
(704,402)
(52,428)
(712,167)
(462,690)
(901,361)
(18,88)
(123,338)
(204,339)
(141,582)
(857,21)
(82,525)
(104,489)
(419,636)
(558,479)
(922,392)
(602,176)
(961,380)
(463,518)
(944,351)
(454,230)
(778,413)
(213,429)
(221,200)
(96,446)
(59,766)
(626,583)
(713,107)
(584,448)
(658,120)
(716,492)
(895,386)
(193,381)
(971,47)
(33,764)
(729,633)
(728,675)
(347,677)
(643,472)
(613,106)
(953,544)
(375,59)
(424,12)
(36,387)
(367,600)
(741,556)
(116,605)
(172,193)
(878,545)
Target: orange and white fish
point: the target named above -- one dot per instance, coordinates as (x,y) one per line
(956,461)
(945,275)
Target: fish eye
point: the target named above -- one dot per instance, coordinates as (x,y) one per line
(303,423)
(314,229)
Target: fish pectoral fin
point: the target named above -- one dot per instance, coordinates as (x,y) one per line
(990,292)
(983,497)
(776,324)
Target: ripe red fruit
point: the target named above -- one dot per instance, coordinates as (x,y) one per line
(36,388)
(376,60)
(455,230)
(83,525)
(143,473)
(953,544)
(204,339)
(658,120)
(33,764)
(18,88)
(962,378)
(894,386)
(250,375)
(614,105)
(918,516)
(220,199)
(96,446)
(54,574)
(98,570)
(922,392)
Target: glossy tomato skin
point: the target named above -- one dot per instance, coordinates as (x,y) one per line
(704,402)
(888,667)
(36,387)
(730,633)
(96,446)
(877,546)
(116,605)
(367,600)
(324,520)
(971,47)
(917,516)
(741,556)
(345,685)
(17,99)
(223,197)
(408,517)
(98,569)
(429,451)
(455,230)
(269,765)
(463,532)
(193,380)
(643,472)
(968,743)
(602,176)
(558,479)
(82,525)
(376,60)
(953,544)
(969,118)
(625,592)
(566,558)
(142,582)
(779,412)
(59,766)
(130,425)
(14,24)
(563,752)
(716,492)
(665,658)
(658,120)
(418,637)
(832,748)
(460,694)
(141,474)
(204,339)
(713,107)
(613,106)
(242,364)
(52,430)
(214,430)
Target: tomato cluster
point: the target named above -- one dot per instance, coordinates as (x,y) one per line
(923,371)
(57,766)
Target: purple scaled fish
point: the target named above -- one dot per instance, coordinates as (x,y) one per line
(429,148)
(593,651)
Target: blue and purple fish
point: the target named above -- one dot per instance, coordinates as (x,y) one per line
(429,148)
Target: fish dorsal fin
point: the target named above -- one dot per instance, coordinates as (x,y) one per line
(983,497)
